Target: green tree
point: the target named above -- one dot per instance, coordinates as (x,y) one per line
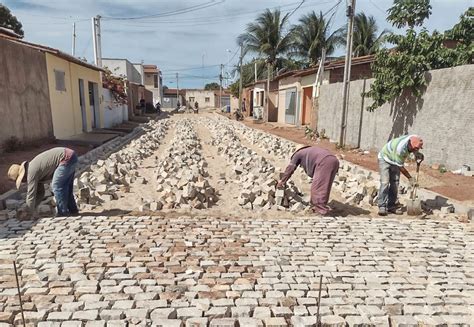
(366,40)
(409,13)
(415,52)
(9,21)
(312,34)
(211,86)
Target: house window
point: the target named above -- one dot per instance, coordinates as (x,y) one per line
(155,81)
(207,99)
(60,78)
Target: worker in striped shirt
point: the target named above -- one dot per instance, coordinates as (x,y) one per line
(391,162)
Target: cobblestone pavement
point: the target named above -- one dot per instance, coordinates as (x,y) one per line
(182,270)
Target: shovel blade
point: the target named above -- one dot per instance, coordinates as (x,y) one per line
(414,208)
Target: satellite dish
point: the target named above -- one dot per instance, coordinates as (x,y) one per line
(281,71)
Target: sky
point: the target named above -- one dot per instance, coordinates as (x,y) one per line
(189,37)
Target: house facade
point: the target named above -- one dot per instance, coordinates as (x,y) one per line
(73,89)
(75,95)
(204,98)
(153,81)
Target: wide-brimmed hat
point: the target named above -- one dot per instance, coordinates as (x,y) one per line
(17,173)
(300,147)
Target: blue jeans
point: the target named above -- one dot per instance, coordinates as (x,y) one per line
(389,180)
(62,185)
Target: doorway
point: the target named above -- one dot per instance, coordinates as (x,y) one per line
(307,105)
(82,104)
(290,106)
(94,104)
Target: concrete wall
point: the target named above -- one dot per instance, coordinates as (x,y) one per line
(25,108)
(200,96)
(443,116)
(123,67)
(114,113)
(65,105)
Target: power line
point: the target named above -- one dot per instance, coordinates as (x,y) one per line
(206,20)
(172,13)
(376,6)
(298,7)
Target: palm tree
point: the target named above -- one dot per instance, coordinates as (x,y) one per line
(365,36)
(313,34)
(269,38)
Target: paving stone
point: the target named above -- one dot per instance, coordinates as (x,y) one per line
(197,322)
(403,321)
(299,321)
(250,322)
(167,322)
(223,322)
(333,321)
(275,322)
(60,316)
(112,314)
(163,313)
(192,312)
(358,321)
(86,315)
(97,323)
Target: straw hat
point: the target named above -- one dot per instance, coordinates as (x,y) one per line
(17,173)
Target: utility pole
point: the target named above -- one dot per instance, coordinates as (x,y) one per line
(267,93)
(177,88)
(73,39)
(96,37)
(347,69)
(255,71)
(220,87)
(240,79)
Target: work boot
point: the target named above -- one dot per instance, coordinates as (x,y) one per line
(395,211)
(382,211)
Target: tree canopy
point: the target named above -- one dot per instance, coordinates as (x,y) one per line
(211,86)
(9,21)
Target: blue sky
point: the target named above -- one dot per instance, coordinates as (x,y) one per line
(193,43)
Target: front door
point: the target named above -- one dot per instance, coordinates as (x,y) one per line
(290,106)
(307,104)
(82,103)
(94,104)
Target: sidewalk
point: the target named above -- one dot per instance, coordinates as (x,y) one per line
(460,188)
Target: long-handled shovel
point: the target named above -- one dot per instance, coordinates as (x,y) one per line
(414,204)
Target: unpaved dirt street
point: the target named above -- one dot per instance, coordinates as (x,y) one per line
(183,227)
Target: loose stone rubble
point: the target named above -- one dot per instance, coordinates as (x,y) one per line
(104,178)
(271,144)
(254,174)
(181,174)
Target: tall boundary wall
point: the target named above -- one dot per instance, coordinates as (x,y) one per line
(443,116)
(25,109)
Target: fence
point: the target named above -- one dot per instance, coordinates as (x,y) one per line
(114,113)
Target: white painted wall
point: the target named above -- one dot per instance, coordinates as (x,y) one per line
(114,114)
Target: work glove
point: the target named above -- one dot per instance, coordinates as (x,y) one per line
(280,184)
(419,157)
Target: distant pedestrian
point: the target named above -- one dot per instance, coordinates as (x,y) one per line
(322,166)
(158,108)
(243,106)
(57,165)
(391,162)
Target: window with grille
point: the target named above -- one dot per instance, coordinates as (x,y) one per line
(60,78)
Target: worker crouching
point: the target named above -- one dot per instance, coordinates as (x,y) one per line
(57,165)
(322,166)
